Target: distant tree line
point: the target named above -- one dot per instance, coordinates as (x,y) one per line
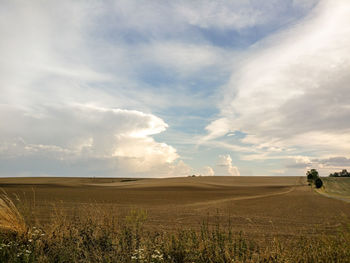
(343,173)
(314,178)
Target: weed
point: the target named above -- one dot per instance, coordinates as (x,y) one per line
(92,234)
(10,218)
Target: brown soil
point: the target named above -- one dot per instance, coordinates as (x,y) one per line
(258,206)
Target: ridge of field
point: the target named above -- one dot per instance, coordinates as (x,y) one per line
(205,181)
(258,206)
(336,187)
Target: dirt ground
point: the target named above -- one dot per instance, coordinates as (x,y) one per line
(257,206)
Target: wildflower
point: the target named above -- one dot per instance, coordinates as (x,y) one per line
(138,255)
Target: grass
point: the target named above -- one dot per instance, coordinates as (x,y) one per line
(336,187)
(10,218)
(94,234)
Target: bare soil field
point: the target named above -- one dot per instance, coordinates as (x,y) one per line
(258,206)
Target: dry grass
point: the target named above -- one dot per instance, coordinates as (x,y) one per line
(94,234)
(10,218)
(187,220)
(336,187)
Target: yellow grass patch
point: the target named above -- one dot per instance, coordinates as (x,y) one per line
(10,217)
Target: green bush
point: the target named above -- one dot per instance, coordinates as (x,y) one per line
(318,183)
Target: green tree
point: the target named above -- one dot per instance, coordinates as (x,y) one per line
(344,173)
(312,175)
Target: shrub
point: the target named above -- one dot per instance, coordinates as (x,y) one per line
(318,183)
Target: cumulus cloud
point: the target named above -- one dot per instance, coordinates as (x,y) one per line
(208,171)
(224,166)
(291,92)
(82,132)
(54,80)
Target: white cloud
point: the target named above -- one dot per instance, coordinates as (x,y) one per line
(221,14)
(157,18)
(298,162)
(53,75)
(73,133)
(292,91)
(337,161)
(217,128)
(71,73)
(224,166)
(184,59)
(238,14)
(207,171)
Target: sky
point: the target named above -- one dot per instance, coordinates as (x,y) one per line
(174,88)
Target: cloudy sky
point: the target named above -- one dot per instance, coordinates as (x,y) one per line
(171,88)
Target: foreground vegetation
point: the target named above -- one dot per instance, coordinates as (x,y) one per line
(94,235)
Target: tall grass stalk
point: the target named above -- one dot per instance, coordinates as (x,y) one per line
(10,218)
(94,234)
